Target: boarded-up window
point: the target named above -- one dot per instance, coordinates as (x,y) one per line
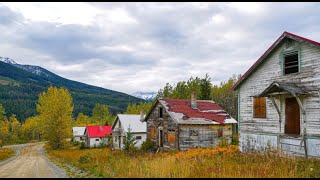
(259,107)
(152,133)
(220,132)
(171,137)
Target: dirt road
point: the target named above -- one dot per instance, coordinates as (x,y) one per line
(30,161)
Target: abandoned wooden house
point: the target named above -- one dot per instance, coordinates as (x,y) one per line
(182,124)
(120,128)
(279,98)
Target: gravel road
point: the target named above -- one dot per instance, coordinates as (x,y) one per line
(30,161)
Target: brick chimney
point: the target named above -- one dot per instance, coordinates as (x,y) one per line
(141,115)
(194,100)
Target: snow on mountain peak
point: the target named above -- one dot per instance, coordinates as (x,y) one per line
(7,60)
(149,96)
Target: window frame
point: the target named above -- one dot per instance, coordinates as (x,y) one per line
(253,108)
(286,53)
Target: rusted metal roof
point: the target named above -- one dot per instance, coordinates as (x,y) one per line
(207,112)
(291,88)
(267,52)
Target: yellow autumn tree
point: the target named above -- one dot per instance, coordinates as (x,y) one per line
(14,128)
(55,108)
(4,126)
(82,120)
(31,128)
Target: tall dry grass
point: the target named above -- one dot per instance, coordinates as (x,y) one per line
(200,162)
(5,153)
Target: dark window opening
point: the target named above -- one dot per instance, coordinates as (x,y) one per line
(194,132)
(291,64)
(160,112)
(138,137)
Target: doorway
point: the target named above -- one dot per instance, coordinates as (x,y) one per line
(160,138)
(292,119)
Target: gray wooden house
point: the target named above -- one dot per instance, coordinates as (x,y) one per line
(279,98)
(182,124)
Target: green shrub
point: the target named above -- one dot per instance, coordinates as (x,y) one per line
(83,145)
(85,158)
(148,145)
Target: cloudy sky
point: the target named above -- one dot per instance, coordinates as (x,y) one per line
(132,47)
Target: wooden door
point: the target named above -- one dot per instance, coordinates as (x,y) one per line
(292,119)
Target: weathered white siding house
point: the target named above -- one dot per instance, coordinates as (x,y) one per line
(279,98)
(121,125)
(78,134)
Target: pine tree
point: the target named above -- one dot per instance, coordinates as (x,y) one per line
(205,88)
(55,108)
(130,141)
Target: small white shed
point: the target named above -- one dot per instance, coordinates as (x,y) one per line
(120,129)
(78,134)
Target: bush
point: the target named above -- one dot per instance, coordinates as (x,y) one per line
(148,145)
(83,145)
(75,143)
(85,158)
(235,139)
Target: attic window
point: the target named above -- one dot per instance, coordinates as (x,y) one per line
(160,112)
(291,63)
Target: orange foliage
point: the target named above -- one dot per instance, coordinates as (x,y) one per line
(208,152)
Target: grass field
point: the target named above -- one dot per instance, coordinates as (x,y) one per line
(219,162)
(5,153)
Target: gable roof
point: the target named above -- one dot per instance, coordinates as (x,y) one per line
(96,131)
(78,131)
(269,50)
(207,112)
(131,120)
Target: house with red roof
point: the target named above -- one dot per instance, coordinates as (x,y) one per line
(97,135)
(182,124)
(279,98)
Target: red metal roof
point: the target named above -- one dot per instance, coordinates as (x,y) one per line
(184,106)
(96,131)
(284,34)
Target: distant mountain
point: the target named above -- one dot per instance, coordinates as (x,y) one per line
(20,86)
(7,60)
(148,96)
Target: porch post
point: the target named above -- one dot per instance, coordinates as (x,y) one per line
(279,112)
(304,125)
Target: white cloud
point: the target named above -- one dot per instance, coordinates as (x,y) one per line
(56,12)
(132,47)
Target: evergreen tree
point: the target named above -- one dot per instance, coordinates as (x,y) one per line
(205,88)
(55,108)
(130,141)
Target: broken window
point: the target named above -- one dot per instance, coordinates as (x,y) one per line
(291,63)
(194,132)
(160,112)
(259,107)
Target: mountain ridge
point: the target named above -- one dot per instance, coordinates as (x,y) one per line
(21,84)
